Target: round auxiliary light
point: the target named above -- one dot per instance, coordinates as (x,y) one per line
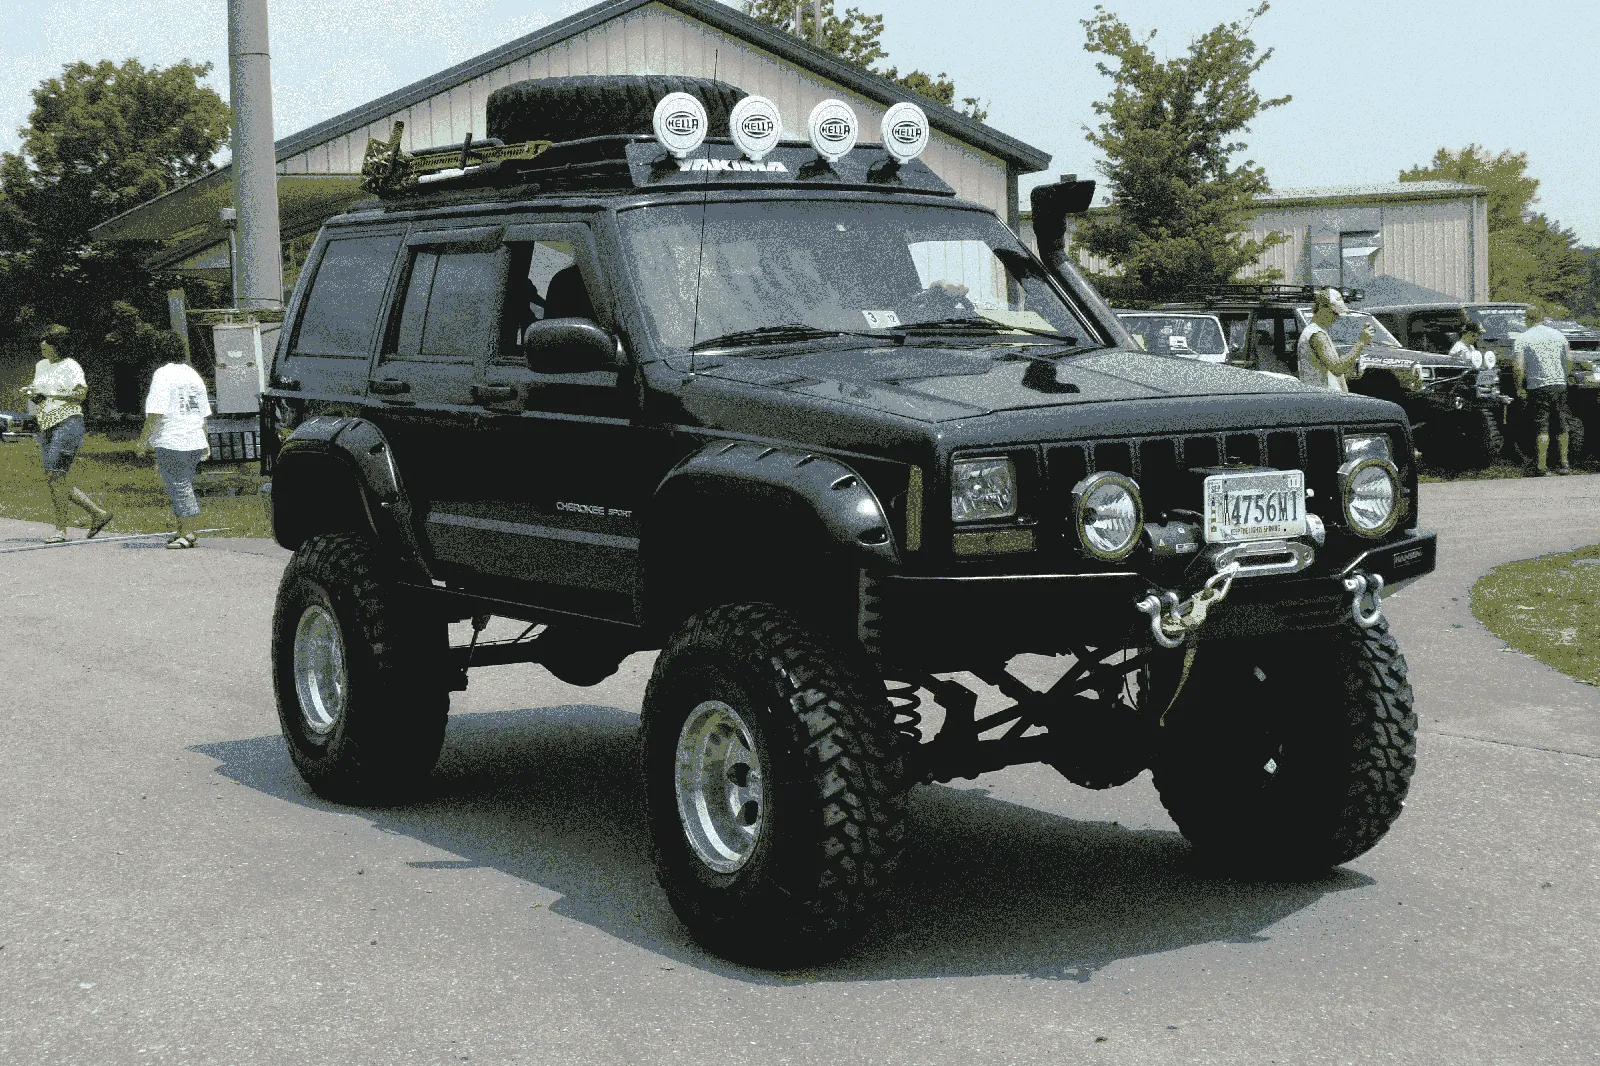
(756,127)
(1107,515)
(905,132)
(680,123)
(1370,491)
(834,129)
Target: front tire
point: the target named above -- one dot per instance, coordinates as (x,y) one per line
(1287,757)
(361,691)
(774,786)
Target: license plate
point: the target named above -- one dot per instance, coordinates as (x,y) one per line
(1258,506)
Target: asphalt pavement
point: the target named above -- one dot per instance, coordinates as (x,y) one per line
(172,892)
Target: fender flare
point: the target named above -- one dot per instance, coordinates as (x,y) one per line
(849,511)
(361,449)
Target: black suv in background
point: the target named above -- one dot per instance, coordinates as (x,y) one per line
(1435,327)
(1454,407)
(826,436)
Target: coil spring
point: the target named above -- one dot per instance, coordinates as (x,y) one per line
(904,701)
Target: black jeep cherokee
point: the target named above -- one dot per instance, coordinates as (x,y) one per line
(828,437)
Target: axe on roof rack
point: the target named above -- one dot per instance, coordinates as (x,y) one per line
(387,170)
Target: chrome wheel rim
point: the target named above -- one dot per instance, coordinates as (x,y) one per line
(320,678)
(718,781)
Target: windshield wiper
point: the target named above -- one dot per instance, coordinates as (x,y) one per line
(780,334)
(978,325)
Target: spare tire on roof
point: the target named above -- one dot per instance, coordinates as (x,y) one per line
(567,109)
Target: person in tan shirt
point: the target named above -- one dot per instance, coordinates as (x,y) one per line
(57,390)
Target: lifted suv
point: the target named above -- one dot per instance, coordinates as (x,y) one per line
(827,437)
(1455,408)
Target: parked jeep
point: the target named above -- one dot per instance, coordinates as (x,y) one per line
(1434,327)
(1454,408)
(827,437)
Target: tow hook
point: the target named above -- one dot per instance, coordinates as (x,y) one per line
(1172,622)
(1362,587)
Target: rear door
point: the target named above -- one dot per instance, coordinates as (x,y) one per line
(329,348)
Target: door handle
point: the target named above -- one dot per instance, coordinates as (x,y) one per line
(387,386)
(288,384)
(494,393)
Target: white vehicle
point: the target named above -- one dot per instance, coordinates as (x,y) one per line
(1182,333)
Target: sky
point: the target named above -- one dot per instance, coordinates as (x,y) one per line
(1377,87)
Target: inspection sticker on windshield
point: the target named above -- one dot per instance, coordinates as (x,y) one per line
(1256,506)
(881,319)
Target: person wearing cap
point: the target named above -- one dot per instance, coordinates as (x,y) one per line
(1542,360)
(1467,346)
(1318,357)
(58,390)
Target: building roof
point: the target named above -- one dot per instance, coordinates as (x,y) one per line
(1025,157)
(1382,190)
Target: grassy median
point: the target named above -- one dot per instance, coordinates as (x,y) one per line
(1548,607)
(129,487)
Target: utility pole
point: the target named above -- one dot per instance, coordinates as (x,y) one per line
(258,283)
(816,22)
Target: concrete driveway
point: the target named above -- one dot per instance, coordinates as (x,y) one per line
(172,893)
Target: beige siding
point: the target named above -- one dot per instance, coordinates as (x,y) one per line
(656,40)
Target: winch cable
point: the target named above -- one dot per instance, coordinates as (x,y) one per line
(105,540)
(1183,621)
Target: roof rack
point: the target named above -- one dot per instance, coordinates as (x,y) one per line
(1263,291)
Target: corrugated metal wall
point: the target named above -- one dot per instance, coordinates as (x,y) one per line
(655,40)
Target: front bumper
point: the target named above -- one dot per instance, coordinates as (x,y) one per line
(948,623)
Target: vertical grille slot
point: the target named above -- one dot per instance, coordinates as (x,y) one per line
(1161,479)
(1244,448)
(1283,451)
(1322,470)
(1202,451)
(1116,456)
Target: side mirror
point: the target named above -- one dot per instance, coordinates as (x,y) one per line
(568,346)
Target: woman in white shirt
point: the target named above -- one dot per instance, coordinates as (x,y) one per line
(175,413)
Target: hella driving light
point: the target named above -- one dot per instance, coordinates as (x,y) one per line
(1367,446)
(680,123)
(1370,491)
(834,129)
(1108,515)
(905,132)
(983,488)
(756,127)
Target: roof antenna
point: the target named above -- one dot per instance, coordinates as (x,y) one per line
(700,260)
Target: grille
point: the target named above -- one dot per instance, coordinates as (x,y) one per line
(1162,465)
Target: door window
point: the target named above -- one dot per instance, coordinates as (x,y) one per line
(346,298)
(449,308)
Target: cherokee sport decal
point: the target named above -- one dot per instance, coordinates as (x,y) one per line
(593,509)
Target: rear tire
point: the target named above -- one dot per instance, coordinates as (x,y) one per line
(567,109)
(1316,769)
(774,786)
(361,688)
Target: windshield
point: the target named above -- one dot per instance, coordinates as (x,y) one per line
(1346,329)
(834,266)
(1499,323)
(1194,336)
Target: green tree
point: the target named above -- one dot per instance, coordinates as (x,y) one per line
(1531,258)
(101,139)
(856,38)
(1180,204)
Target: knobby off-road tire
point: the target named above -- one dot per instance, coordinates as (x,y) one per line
(566,109)
(784,863)
(1285,758)
(360,682)
(1471,441)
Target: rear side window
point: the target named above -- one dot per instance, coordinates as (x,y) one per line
(450,304)
(345,304)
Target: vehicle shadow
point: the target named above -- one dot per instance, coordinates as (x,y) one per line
(988,887)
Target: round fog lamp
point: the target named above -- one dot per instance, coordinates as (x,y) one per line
(1108,515)
(1370,489)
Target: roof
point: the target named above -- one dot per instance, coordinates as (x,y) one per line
(1382,190)
(1027,158)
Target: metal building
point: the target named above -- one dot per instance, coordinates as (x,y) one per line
(319,167)
(1400,242)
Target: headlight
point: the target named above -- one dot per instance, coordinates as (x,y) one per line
(1367,446)
(1370,491)
(1108,515)
(983,488)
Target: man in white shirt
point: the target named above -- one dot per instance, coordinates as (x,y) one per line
(58,389)
(1467,346)
(1320,363)
(175,413)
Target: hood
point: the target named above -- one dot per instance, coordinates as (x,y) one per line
(1401,358)
(939,384)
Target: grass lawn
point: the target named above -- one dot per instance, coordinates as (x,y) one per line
(1548,607)
(128,486)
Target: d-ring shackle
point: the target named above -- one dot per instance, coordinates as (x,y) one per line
(1360,586)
